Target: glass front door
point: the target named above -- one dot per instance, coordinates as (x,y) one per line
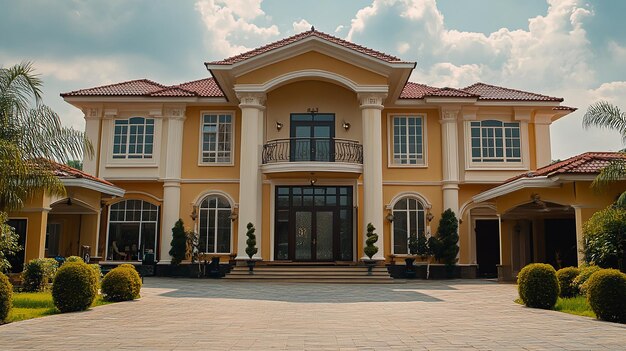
(312,137)
(313,223)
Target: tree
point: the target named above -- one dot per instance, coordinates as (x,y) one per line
(448,237)
(178,243)
(422,245)
(604,238)
(9,243)
(251,248)
(605,115)
(370,249)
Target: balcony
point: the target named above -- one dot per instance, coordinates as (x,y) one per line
(312,154)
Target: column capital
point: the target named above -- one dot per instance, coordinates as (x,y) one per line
(449,114)
(252,100)
(522,113)
(371,100)
(177,113)
(92,113)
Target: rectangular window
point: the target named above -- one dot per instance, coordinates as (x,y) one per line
(408,140)
(217,137)
(133,138)
(495,141)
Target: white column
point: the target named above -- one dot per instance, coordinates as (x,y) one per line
(450,158)
(250,177)
(371,107)
(92,130)
(578,216)
(171,181)
(543,152)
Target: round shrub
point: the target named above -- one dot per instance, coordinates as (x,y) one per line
(74,288)
(6,297)
(538,286)
(121,284)
(583,275)
(38,273)
(96,270)
(566,278)
(74,259)
(606,293)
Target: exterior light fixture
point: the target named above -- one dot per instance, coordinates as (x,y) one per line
(312,110)
(279,126)
(429,217)
(313,180)
(194,213)
(389,216)
(346,125)
(234,214)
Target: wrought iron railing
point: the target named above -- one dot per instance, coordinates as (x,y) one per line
(312,150)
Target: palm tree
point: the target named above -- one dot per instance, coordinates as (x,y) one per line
(31,136)
(606,115)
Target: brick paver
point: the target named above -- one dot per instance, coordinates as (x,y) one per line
(181,314)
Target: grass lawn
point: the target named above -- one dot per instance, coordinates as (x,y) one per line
(34,305)
(575,305)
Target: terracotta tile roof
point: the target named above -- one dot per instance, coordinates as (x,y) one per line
(493,92)
(65,171)
(450,92)
(415,91)
(564,108)
(587,163)
(300,36)
(146,88)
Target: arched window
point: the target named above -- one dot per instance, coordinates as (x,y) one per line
(408,218)
(132,230)
(215,225)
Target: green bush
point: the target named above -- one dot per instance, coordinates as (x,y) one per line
(606,293)
(604,238)
(121,284)
(448,236)
(178,244)
(538,286)
(566,278)
(96,270)
(6,297)
(251,248)
(584,273)
(74,288)
(38,273)
(370,249)
(74,259)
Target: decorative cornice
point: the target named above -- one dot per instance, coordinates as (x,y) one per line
(252,100)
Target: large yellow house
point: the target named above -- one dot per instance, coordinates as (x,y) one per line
(312,137)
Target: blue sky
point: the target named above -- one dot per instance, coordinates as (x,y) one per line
(569,48)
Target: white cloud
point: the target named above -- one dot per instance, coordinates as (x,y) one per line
(339,28)
(618,52)
(301,26)
(403,47)
(229,22)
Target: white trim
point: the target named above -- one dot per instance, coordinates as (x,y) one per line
(390,135)
(93,185)
(522,183)
(209,180)
(516,103)
(309,73)
(200,197)
(470,205)
(523,165)
(79,201)
(416,182)
(108,136)
(424,210)
(233,115)
(281,167)
(198,202)
(99,99)
(132,192)
(427,205)
(473,253)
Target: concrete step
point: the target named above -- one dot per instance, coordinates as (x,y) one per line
(320,281)
(311,273)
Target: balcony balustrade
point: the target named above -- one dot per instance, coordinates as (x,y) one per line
(312,150)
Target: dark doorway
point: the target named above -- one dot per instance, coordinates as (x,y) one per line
(17,260)
(312,137)
(487,247)
(313,223)
(560,237)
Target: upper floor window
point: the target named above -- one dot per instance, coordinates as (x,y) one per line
(217,138)
(408,219)
(408,140)
(133,138)
(495,141)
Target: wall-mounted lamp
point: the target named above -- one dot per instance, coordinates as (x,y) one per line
(346,125)
(429,217)
(194,213)
(312,110)
(389,216)
(69,201)
(234,214)
(313,180)
(279,126)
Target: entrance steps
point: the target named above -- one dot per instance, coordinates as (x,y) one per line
(311,273)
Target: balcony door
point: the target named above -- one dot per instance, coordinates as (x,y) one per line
(312,137)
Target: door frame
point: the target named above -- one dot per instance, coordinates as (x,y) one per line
(312,123)
(475,236)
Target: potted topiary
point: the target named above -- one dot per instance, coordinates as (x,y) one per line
(370,249)
(251,248)
(413,247)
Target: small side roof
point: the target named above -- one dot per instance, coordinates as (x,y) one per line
(206,87)
(70,176)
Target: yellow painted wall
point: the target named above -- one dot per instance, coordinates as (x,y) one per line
(307,61)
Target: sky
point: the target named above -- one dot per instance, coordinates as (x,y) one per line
(573,49)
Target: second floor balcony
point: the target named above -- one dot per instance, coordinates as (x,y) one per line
(312,154)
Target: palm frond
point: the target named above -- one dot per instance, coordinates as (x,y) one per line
(616,170)
(603,114)
(19,86)
(621,201)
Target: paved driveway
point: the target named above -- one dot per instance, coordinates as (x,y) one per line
(186,314)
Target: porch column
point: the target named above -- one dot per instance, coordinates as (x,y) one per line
(450,154)
(92,131)
(171,181)
(371,107)
(250,177)
(578,216)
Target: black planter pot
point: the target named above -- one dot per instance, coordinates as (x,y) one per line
(251,264)
(410,268)
(370,265)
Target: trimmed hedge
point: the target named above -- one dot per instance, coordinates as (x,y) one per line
(121,284)
(566,278)
(538,286)
(75,287)
(6,297)
(606,294)
(583,275)
(38,273)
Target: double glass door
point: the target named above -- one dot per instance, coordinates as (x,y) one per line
(313,223)
(312,137)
